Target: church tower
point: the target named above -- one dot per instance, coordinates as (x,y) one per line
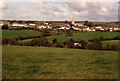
(73,20)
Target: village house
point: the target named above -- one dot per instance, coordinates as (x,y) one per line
(1,23)
(77,29)
(99,28)
(32,25)
(19,25)
(4,22)
(85,28)
(46,23)
(114,29)
(91,30)
(64,28)
(44,27)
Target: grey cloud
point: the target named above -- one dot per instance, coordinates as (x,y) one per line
(95,11)
(61,11)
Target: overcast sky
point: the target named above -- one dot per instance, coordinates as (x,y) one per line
(92,10)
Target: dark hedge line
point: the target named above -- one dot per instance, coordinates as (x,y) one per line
(93,44)
(28,37)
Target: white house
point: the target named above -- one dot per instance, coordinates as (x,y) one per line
(44,27)
(85,28)
(98,27)
(1,24)
(91,30)
(19,25)
(75,28)
(115,29)
(40,27)
(46,23)
(32,25)
(63,28)
(101,29)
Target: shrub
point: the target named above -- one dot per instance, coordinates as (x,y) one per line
(83,44)
(24,43)
(11,41)
(60,45)
(107,47)
(5,26)
(111,47)
(39,42)
(54,42)
(46,32)
(116,38)
(114,47)
(94,44)
(27,37)
(70,43)
(102,38)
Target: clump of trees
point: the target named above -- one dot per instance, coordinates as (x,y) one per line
(5,26)
(93,44)
(42,41)
(9,41)
(54,42)
(46,32)
(89,24)
(111,47)
(39,42)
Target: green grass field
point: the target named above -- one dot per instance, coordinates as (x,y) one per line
(17,33)
(84,36)
(21,62)
(111,42)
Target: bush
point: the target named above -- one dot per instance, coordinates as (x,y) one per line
(27,37)
(11,41)
(111,47)
(114,47)
(94,44)
(69,44)
(5,26)
(54,42)
(83,44)
(39,42)
(46,32)
(25,43)
(116,38)
(60,45)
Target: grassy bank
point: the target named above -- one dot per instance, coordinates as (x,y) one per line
(17,33)
(21,62)
(84,36)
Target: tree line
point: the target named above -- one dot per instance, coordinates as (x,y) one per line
(93,44)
